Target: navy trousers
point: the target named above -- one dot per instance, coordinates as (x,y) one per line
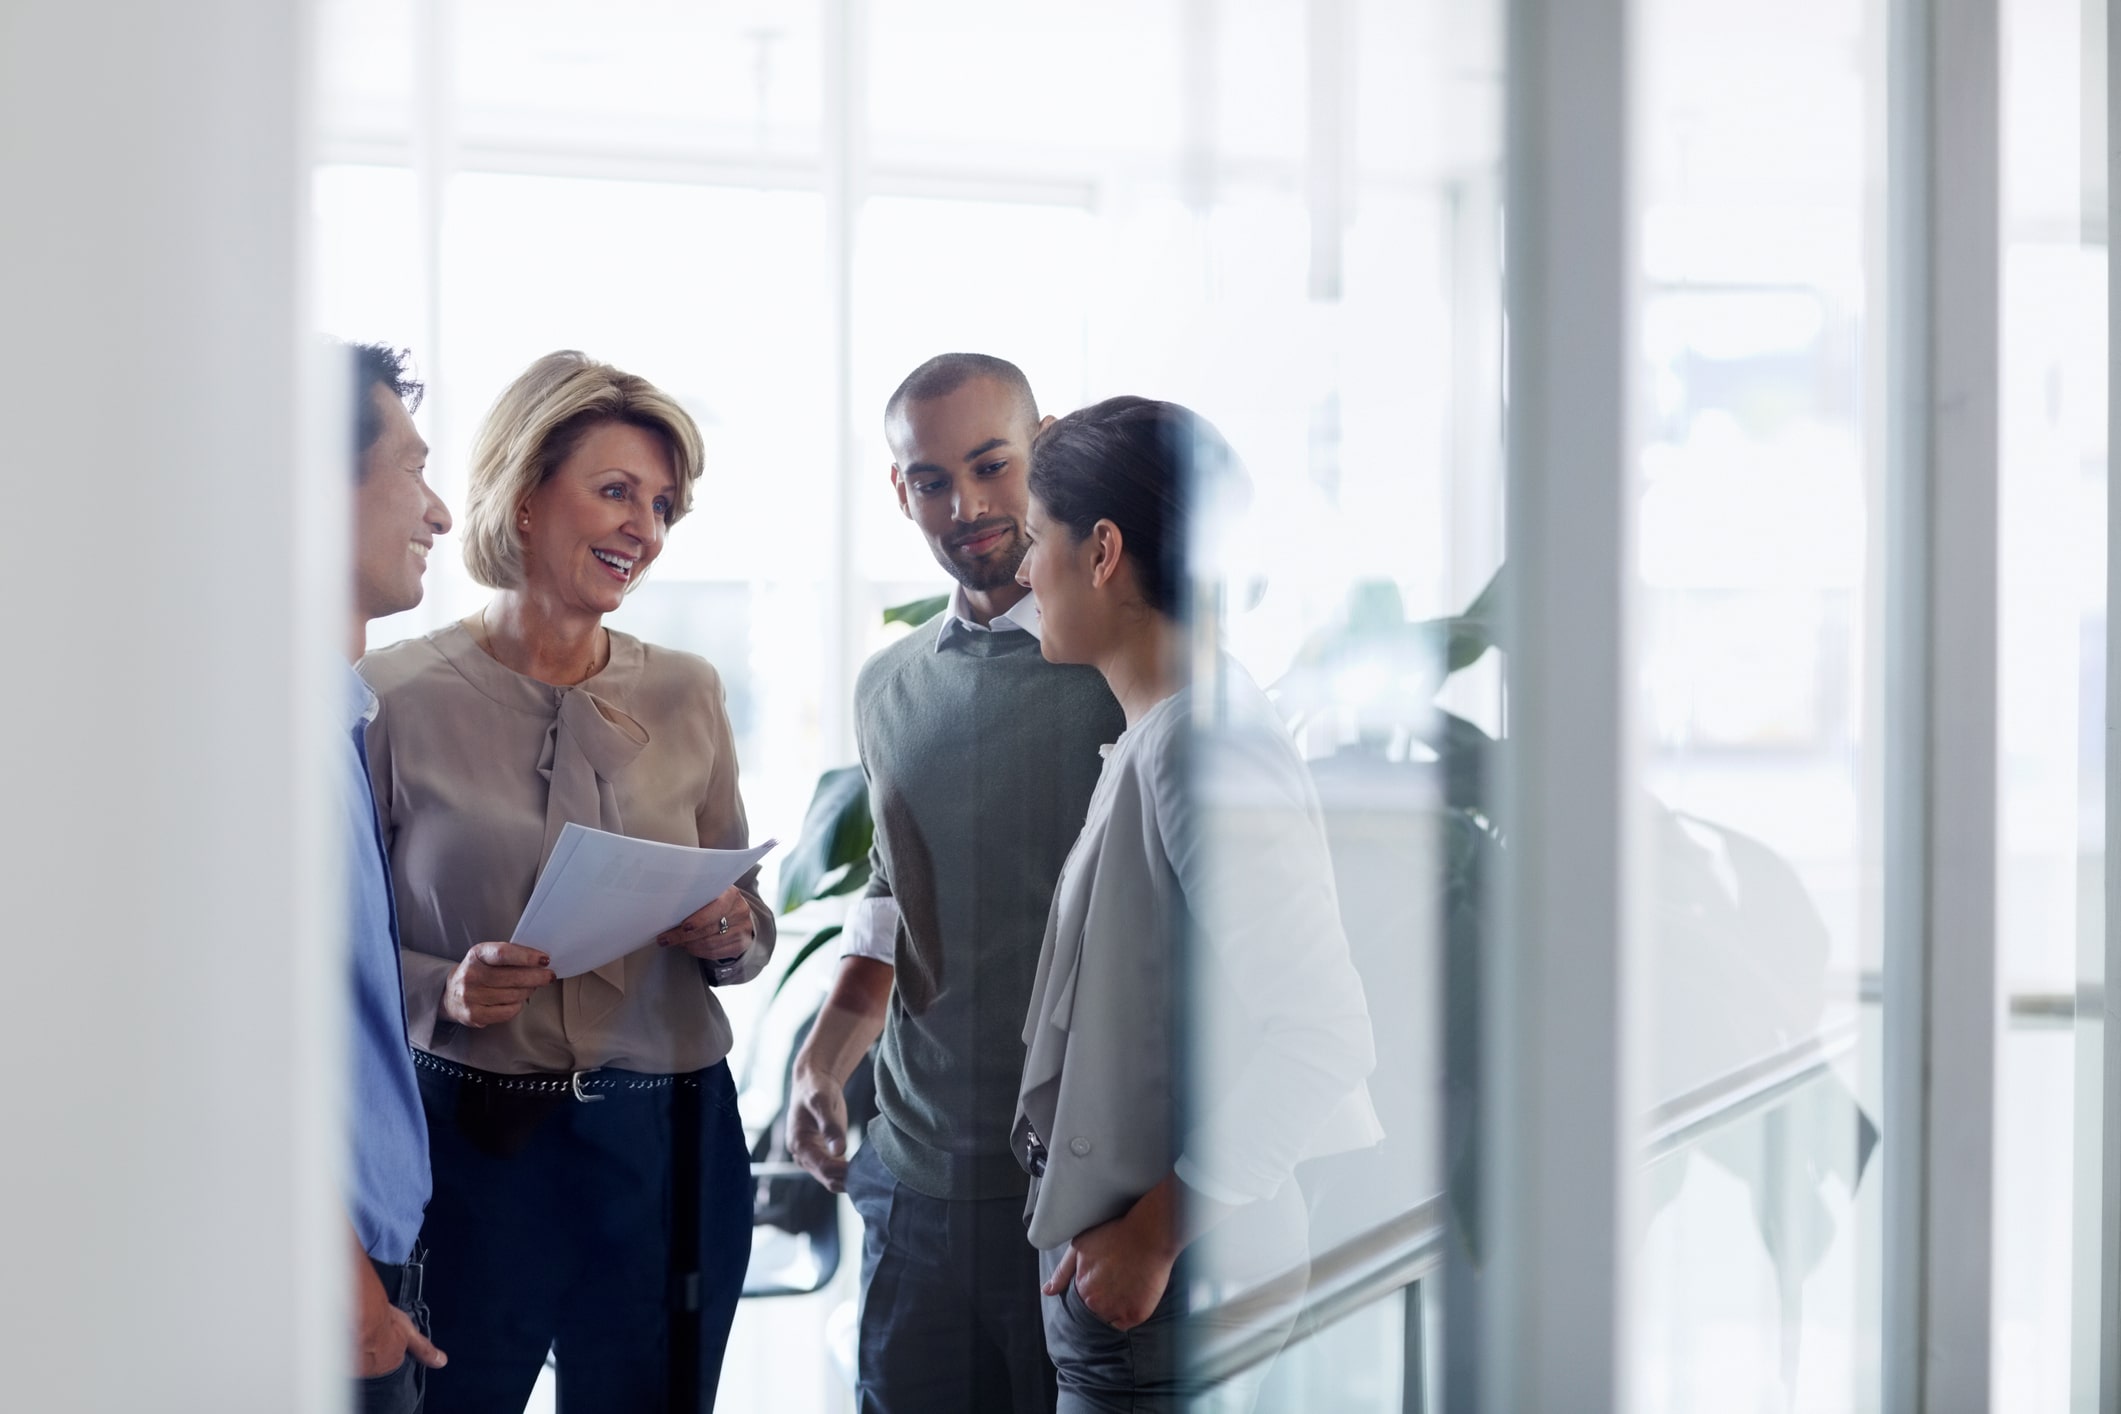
(950,1318)
(560,1229)
(400,1391)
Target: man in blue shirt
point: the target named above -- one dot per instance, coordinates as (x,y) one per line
(396,519)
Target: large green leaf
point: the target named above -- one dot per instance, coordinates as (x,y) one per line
(1400,665)
(849,881)
(834,843)
(1487,604)
(803,954)
(1460,640)
(918,611)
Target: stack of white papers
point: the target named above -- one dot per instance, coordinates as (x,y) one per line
(601,896)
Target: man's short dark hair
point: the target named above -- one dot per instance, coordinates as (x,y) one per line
(373,364)
(946,373)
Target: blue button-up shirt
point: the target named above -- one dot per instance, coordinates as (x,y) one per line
(388,1179)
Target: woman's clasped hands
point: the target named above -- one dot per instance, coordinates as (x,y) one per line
(720,932)
(493,982)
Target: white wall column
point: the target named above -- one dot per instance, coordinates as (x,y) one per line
(433,121)
(845,44)
(2097,1325)
(167,1179)
(1943,447)
(1561,1104)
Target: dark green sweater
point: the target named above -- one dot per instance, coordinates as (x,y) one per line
(981,757)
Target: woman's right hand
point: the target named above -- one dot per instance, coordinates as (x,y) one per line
(493,983)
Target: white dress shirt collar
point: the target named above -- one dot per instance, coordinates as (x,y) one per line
(1022,615)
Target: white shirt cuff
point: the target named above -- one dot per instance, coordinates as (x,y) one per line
(1189,1173)
(871,930)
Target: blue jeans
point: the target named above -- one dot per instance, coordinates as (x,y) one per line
(563,1234)
(950,1311)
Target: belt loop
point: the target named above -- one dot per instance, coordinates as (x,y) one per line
(574,1085)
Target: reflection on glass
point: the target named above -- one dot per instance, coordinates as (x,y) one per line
(1253,209)
(2052,704)
(1757,466)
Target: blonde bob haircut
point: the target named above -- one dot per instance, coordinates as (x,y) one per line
(536,425)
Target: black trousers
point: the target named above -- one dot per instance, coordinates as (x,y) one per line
(950,1319)
(403,1389)
(557,1225)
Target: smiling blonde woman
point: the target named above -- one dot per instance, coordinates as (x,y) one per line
(587,1152)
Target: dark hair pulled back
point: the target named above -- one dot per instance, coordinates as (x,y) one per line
(1146,466)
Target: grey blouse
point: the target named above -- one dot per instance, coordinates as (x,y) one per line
(477,768)
(1203,845)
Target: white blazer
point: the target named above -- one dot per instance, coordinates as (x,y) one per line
(1195,1007)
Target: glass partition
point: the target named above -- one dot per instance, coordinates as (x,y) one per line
(1284,215)
(2052,571)
(1761,324)
(1287,215)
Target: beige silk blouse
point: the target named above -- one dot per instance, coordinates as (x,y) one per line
(477,768)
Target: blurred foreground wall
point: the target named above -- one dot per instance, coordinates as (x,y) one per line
(165,1203)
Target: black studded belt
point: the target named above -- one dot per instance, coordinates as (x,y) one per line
(596,1083)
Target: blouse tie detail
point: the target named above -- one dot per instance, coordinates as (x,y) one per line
(589,743)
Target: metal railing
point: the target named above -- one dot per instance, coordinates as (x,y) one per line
(1365,1269)
(1752,1087)
(1401,1252)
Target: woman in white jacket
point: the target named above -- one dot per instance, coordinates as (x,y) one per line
(1196,1028)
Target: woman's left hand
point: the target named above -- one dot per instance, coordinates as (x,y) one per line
(720,931)
(1120,1268)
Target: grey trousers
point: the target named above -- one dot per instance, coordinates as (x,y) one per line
(1154,1367)
(950,1307)
(1108,1371)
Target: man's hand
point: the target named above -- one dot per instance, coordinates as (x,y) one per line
(382,1333)
(493,982)
(846,1027)
(817,1126)
(720,931)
